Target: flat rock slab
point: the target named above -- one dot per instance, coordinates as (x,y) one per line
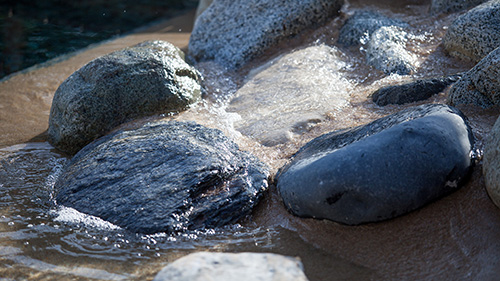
(233,32)
(163,177)
(381,170)
(204,266)
(149,78)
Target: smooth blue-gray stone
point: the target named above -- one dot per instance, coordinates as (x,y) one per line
(163,177)
(375,172)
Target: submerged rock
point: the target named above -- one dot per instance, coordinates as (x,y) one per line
(414,91)
(384,169)
(451,6)
(476,33)
(491,164)
(291,94)
(149,78)
(480,85)
(163,177)
(233,266)
(232,32)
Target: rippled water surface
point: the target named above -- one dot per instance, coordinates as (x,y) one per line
(457,237)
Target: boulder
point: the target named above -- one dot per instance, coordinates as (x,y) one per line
(476,33)
(381,170)
(163,177)
(491,164)
(291,94)
(233,266)
(233,32)
(480,85)
(149,78)
(451,6)
(413,91)
(386,51)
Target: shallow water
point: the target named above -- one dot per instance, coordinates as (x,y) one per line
(457,237)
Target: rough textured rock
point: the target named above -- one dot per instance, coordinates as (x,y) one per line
(149,78)
(362,25)
(413,91)
(163,177)
(450,6)
(232,32)
(386,51)
(491,164)
(480,85)
(387,168)
(475,34)
(291,94)
(228,267)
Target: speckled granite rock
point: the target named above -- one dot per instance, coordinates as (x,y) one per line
(480,85)
(232,32)
(450,6)
(149,78)
(384,169)
(163,177)
(475,34)
(204,266)
(491,164)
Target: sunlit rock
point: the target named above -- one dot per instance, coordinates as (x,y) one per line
(384,169)
(203,266)
(476,33)
(480,85)
(163,177)
(232,32)
(491,164)
(413,91)
(450,6)
(290,94)
(149,78)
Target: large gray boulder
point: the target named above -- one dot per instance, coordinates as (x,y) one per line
(491,164)
(163,177)
(233,32)
(203,266)
(476,33)
(451,6)
(480,85)
(149,78)
(387,168)
(291,94)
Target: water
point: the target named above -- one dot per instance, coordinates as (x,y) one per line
(457,237)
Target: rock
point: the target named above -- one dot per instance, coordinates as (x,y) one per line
(149,78)
(386,51)
(476,33)
(413,91)
(362,24)
(480,85)
(202,6)
(451,6)
(291,94)
(163,177)
(384,169)
(491,164)
(228,266)
(233,32)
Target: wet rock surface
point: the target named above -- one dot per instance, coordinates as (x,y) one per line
(480,85)
(234,32)
(451,6)
(475,34)
(491,164)
(149,78)
(418,90)
(387,168)
(291,94)
(229,266)
(163,177)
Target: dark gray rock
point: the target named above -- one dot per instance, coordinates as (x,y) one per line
(414,91)
(451,6)
(362,25)
(476,33)
(387,168)
(232,32)
(491,164)
(480,85)
(149,78)
(163,177)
